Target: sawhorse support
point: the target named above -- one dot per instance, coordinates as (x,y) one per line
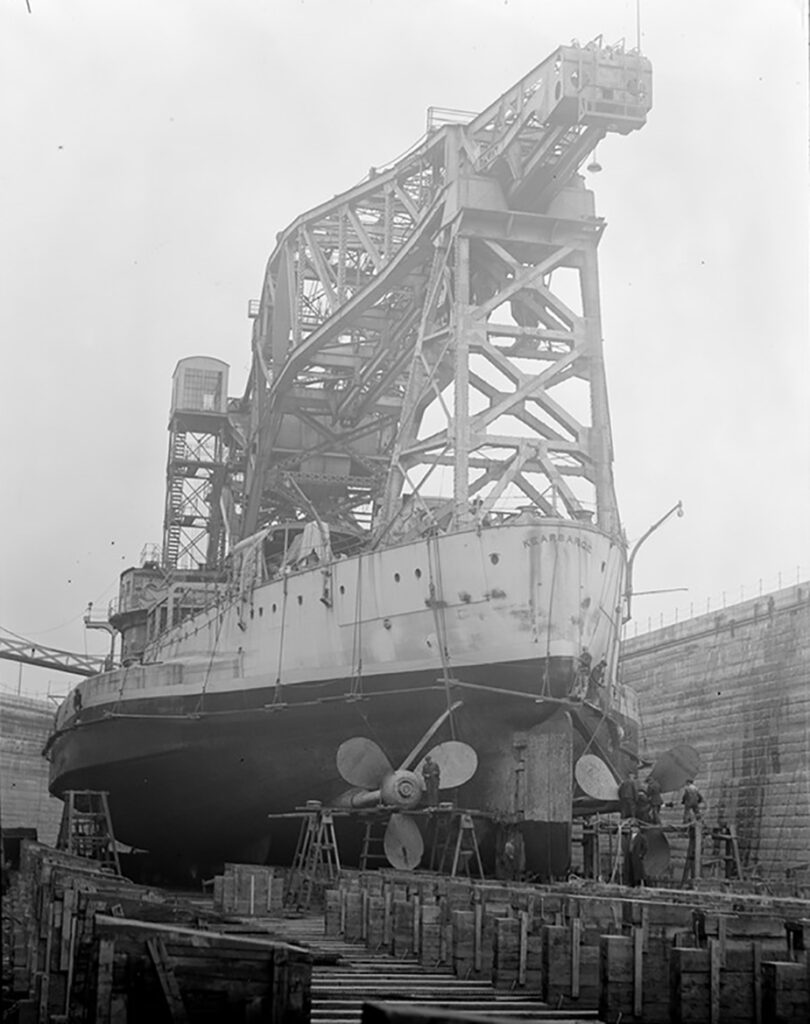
(316,862)
(465,852)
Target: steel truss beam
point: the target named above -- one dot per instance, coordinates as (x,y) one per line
(29,653)
(422,320)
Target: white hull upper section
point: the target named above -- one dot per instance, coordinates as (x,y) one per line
(500,594)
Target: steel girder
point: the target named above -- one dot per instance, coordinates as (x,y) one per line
(415,321)
(28,653)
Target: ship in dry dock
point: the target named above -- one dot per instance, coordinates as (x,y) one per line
(404,533)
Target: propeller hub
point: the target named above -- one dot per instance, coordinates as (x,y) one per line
(401,789)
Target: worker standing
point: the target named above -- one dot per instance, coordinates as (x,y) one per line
(431,773)
(655,800)
(582,674)
(628,795)
(596,680)
(692,799)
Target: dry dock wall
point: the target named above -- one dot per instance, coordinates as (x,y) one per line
(736,685)
(24,799)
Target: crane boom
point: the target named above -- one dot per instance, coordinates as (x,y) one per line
(414,323)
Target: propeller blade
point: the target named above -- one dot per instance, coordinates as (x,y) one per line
(656,859)
(457,763)
(403,843)
(673,768)
(355,797)
(428,736)
(595,778)
(362,763)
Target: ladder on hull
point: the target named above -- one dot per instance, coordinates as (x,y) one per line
(86,828)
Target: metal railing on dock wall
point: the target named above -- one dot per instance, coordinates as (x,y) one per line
(723,600)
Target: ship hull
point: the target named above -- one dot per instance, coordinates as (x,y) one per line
(195,763)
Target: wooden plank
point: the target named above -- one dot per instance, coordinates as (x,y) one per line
(388,930)
(523,948)
(129,927)
(756,964)
(104,979)
(576,936)
(478,927)
(714,981)
(638,974)
(167,978)
(45,966)
(68,904)
(71,964)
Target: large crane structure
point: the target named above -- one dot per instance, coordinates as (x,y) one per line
(430,340)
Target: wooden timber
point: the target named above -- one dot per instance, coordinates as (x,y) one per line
(643,955)
(88,945)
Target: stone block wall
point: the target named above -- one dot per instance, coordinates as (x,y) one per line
(736,685)
(25,802)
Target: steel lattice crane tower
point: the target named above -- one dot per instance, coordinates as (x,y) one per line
(434,333)
(199,434)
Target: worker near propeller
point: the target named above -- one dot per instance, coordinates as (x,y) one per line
(692,799)
(629,794)
(588,678)
(431,773)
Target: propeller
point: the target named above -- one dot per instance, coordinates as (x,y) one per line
(674,767)
(595,778)
(656,859)
(670,771)
(365,766)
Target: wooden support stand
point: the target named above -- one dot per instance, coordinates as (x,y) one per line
(466,857)
(316,862)
(86,829)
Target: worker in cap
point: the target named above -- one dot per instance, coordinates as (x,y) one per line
(692,799)
(431,773)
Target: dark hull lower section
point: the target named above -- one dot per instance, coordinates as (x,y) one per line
(195,782)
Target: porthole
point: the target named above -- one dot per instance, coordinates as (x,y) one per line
(418,573)
(342,589)
(300,598)
(494,559)
(396,577)
(274,608)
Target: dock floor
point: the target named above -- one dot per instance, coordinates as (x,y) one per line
(363,975)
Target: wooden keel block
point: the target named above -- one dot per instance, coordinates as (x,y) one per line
(375,923)
(353,916)
(332,913)
(402,942)
(570,975)
(463,929)
(430,951)
(784,992)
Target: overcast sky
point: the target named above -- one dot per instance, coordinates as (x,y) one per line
(152,150)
